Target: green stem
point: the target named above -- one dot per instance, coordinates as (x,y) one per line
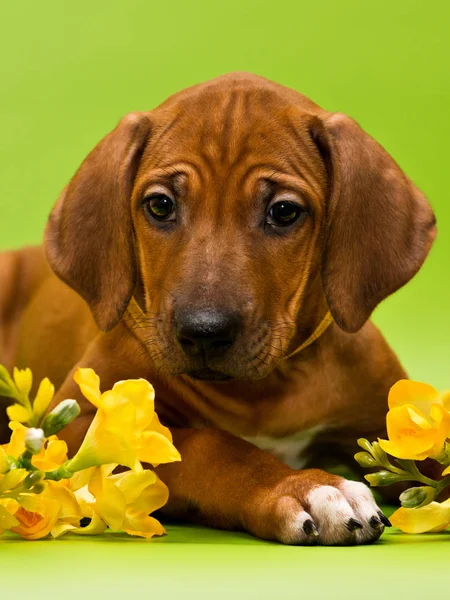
(24,461)
(61,473)
(442,485)
(411,467)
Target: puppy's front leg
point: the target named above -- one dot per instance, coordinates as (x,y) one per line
(225,482)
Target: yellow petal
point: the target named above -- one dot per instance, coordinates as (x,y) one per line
(86,501)
(432,517)
(60,528)
(152,498)
(445,399)
(44,397)
(4,464)
(407,439)
(417,418)
(142,395)
(156,425)
(12,479)
(69,508)
(16,445)
(106,492)
(441,418)
(132,484)
(52,455)
(30,502)
(23,378)
(446,471)
(95,527)
(81,479)
(400,451)
(420,395)
(142,525)
(89,384)
(7,520)
(154,448)
(104,444)
(18,413)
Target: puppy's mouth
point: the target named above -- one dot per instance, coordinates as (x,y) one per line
(209,375)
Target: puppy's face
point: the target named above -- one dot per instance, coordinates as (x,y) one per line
(237,212)
(227,206)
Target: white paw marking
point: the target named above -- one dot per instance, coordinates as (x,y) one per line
(331,513)
(361,500)
(332,507)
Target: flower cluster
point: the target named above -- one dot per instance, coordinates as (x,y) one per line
(418,428)
(43,492)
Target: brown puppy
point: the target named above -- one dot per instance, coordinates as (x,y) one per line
(208,239)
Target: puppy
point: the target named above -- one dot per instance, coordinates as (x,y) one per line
(230,246)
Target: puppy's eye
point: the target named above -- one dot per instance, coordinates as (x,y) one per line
(160,207)
(285,213)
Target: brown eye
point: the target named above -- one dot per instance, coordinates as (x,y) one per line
(285,213)
(160,207)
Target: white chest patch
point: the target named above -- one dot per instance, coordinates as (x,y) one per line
(290,450)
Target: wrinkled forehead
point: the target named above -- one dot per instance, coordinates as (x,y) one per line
(233,132)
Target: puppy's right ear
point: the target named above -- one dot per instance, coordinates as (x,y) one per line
(89,239)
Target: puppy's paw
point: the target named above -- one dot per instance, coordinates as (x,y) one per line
(317,508)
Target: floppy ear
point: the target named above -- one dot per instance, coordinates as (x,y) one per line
(379,228)
(89,235)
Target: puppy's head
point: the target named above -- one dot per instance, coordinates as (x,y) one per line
(236,212)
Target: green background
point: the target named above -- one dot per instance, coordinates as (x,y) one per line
(70,70)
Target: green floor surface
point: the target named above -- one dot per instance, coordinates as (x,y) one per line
(193,562)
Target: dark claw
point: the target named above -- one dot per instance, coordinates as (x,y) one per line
(310,529)
(375,523)
(384,519)
(353,525)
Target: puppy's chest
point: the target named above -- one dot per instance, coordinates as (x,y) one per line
(292,450)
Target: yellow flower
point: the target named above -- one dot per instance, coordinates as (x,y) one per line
(50,510)
(432,517)
(125,429)
(23,380)
(121,502)
(52,455)
(418,421)
(35,516)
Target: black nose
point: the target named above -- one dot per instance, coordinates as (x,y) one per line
(206,332)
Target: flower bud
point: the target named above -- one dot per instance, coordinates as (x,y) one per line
(364,459)
(383,478)
(39,488)
(61,415)
(34,440)
(32,480)
(416,497)
(378,453)
(365,445)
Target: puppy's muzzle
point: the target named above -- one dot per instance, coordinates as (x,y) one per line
(206,333)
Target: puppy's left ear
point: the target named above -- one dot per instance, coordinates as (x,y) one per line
(89,239)
(379,227)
